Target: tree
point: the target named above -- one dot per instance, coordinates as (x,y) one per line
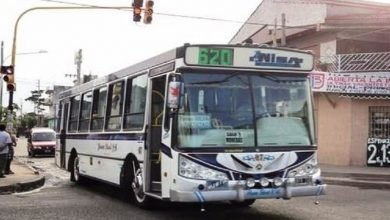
(38,101)
(28,120)
(4,113)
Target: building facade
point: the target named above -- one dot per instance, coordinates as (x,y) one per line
(351,42)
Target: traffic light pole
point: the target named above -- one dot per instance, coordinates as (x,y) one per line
(10,101)
(1,81)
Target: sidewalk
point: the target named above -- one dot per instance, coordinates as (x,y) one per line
(363,177)
(24,179)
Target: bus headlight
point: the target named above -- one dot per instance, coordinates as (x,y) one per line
(190,169)
(250,182)
(307,169)
(278,181)
(264,182)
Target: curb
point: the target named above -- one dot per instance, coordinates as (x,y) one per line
(23,186)
(357,183)
(26,185)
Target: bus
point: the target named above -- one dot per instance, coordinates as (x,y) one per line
(199,123)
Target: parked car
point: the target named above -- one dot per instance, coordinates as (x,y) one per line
(41,141)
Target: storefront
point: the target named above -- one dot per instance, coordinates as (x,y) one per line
(353,113)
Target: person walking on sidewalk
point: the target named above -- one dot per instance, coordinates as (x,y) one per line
(10,153)
(5,142)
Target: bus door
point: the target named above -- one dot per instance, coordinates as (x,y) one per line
(63,134)
(154,133)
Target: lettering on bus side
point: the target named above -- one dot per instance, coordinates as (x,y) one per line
(271,59)
(107,147)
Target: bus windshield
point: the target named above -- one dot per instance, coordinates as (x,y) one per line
(243,110)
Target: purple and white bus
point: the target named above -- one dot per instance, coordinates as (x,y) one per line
(199,123)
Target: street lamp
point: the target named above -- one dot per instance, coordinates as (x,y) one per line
(25,53)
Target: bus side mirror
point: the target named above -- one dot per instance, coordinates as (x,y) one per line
(175,89)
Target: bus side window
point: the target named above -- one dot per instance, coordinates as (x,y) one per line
(85,114)
(135,102)
(74,113)
(98,108)
(115,103)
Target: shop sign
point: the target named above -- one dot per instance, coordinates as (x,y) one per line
(378,152)
(375,83)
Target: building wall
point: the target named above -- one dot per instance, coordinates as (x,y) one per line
(333,128)
(360,126)
(342,128)
(269,10)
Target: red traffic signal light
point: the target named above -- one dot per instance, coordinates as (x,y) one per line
(148,12)
(7,70)
(137,5)
(9,77)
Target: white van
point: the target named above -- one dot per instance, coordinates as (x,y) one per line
(41,141)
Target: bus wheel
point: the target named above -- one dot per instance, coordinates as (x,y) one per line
(244,203)
(75,171)
(135,182)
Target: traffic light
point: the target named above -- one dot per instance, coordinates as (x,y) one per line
(137,5)
(9,77)
(148,12)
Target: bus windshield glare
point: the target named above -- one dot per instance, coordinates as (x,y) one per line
(243,110)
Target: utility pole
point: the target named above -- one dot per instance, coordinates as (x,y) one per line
(274,43)
(283,30)
(37,106)
(78,59)
(1,78)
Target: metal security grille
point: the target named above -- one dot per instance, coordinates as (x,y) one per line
(358,62)
(379,120)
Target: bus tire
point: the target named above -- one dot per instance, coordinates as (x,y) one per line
(133,185)
(75,170)
(245,203)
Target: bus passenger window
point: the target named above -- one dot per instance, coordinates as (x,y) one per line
(135,102)
(85,114)
(115,103)
(74,113)
(98,108)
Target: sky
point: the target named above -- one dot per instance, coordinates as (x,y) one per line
(109,39)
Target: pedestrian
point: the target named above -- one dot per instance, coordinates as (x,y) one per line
(5,142)
(10,153)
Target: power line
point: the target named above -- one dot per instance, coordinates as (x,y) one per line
(184,16)
(236,21)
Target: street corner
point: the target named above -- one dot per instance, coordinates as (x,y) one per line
(23,186)
(25,178)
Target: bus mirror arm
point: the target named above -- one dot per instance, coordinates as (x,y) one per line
(173,112)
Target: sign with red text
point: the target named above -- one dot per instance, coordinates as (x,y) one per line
(377,83)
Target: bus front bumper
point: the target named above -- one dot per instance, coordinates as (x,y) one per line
(241,194)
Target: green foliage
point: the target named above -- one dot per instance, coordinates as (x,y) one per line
(4,113)
(38,101)
(28,120)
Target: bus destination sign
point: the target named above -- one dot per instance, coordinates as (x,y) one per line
(249,57)
(215,56)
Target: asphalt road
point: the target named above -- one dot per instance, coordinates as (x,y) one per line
(61,199)
(97,201)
